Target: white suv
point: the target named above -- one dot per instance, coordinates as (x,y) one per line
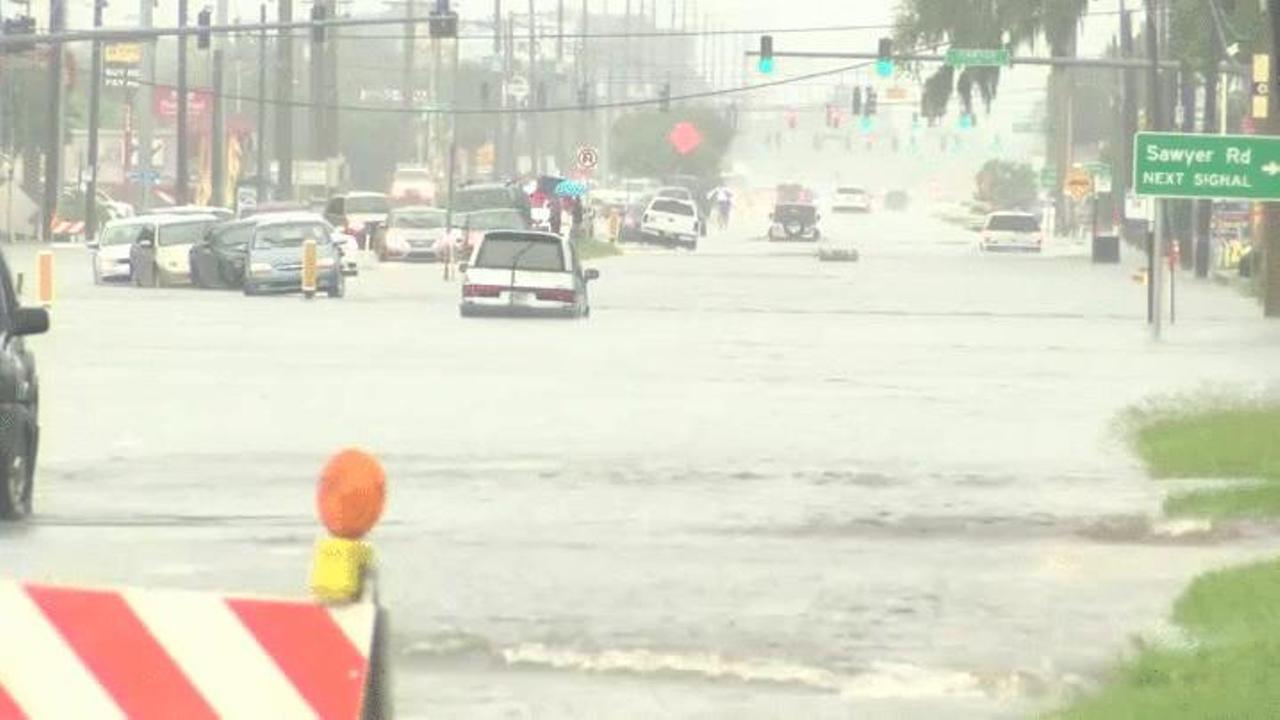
(1017,231)
(668,220)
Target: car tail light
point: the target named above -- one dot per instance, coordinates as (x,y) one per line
(490,291)
(564,296)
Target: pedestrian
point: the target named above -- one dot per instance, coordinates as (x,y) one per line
(578,230)
(555,207)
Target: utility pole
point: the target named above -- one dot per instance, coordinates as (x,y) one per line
(511,118)
(498,124)
(284,102)
(1155,122)
(53,146)
(95,90)
(1204,208)
(559,30)
(1271,246)
(218,141)
(182,175)
(627,65)
(408,122)
(315,57)
(262,105)
(533,123)
(1129,112)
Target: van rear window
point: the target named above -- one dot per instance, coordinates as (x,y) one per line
(523,252)
(1014,223)
(673,207)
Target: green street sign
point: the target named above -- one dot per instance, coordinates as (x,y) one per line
(982,57)
(1175,165)
(1048,177)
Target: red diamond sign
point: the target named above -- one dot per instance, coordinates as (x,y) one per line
(684,137)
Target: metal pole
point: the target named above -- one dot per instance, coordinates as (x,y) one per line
(284,103)
(534,150)
(53,146)
(182,174)
(217,146)
(1155,121)
(316,68)
(95,83)
(559,30)
(262,106)
(1271,244)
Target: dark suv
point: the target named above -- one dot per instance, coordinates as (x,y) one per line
(19,399)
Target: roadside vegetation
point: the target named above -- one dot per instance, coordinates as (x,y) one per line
(1226,667)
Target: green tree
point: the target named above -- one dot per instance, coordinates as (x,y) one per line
(641,146)
(1006,185)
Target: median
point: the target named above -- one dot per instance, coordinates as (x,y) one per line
(1225,667)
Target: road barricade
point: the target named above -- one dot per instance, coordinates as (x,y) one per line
(77,652)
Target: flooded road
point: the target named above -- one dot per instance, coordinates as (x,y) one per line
(751,485)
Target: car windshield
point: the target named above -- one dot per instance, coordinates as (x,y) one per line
(413,175)
(1014,223)
(183,233)
(674,207)
(795,213)
(417,220)
(367,205)
(471,199)
(123,234)
(493,220)
(525,252)
(679,193)
(288,236)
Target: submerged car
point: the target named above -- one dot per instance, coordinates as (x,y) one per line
(218,260)
(851,200)
(794,222)
(275,256)
(160,255)
(532,274)
(20,402)
(1016,231)
(109,253)
(412,233)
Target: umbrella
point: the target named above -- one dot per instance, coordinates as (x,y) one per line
(571,188)
(548,184)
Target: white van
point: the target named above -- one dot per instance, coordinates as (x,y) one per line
(525,274)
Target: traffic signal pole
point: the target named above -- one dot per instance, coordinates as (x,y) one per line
(1271,227)
(95,83)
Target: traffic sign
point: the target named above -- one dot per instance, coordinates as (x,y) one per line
(981,57)
(1079,184)
(518,87)
(1101,173)
(150,176)
(1049,176)
(1175,165)
(588,157)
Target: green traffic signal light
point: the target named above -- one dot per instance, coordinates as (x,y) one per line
(766,66)
(766,54)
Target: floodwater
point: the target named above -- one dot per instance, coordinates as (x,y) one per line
(752,485)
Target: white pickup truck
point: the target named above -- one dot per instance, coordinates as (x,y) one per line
(671,221)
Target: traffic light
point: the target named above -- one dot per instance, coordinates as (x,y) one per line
(20,25)
(485,92)
(664,98)
(857,101)
(318,14)
(202,35)
(872,102)
(442,22)
(766,54)
(584,95)
(884,58)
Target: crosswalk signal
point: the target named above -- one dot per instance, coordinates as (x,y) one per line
(857,101)
(664,98)
(318,14)
(203,21)
(884,58)
(766,54)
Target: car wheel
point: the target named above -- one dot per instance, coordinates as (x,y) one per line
(338,287)
(16,480)
(250,289)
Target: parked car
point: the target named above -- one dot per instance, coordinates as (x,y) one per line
(850,200)
(359,214)
(412,233)
(20,402)
(220,213)
(109,253)
(492,196)
(671,221)
(413,184)
(161,253)
(275,256)
(524,273)
(217,260)
(472,227)
(1017,231)
(796,221)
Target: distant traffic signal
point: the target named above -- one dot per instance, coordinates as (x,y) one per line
(857,101)
(584,95)
(872,102)
(202,35)
(664,98)
(884,58)
(766,54)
